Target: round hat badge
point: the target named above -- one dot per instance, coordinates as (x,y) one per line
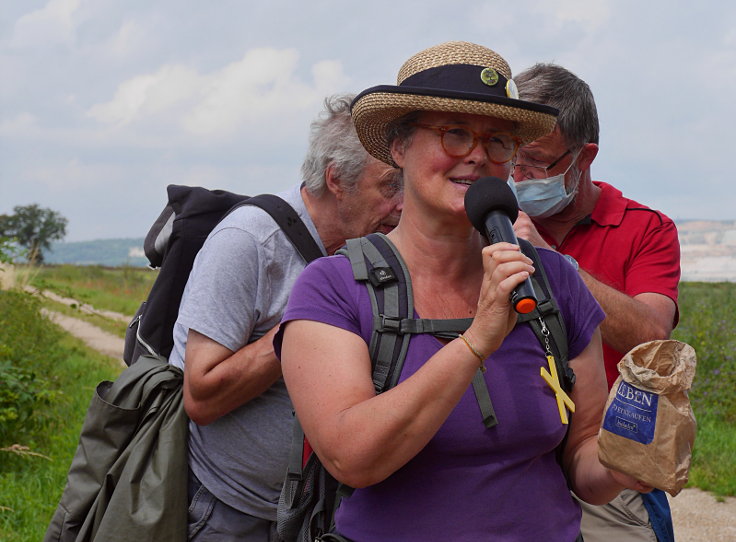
(489,76)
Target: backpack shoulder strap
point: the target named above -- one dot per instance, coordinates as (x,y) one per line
(376,263)
(288,220)
(546,320)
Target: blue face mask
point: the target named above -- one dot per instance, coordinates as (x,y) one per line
(540,198)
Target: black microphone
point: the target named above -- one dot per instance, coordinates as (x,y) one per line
(492,209)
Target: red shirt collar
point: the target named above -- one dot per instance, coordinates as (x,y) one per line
(611,205)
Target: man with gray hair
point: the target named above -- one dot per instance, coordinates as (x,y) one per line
(627,254)
(241,416)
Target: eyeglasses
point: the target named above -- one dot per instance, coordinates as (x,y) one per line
(458,142)
(528,171)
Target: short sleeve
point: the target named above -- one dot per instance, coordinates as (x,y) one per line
(656,265)
(326,292)
(221,300)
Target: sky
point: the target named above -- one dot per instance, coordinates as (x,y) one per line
(103,103)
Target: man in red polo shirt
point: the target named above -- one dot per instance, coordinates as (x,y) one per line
(627,254)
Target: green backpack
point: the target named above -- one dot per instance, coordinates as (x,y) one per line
(310,495)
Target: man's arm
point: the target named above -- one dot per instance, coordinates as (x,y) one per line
(629,320)
(218,380)
(221,307)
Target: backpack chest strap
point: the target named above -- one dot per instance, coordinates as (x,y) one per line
(445,329)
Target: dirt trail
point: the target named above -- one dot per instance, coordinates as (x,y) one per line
(698,516)
(96,338)
(84,307)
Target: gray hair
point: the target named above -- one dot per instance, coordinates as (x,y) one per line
(550,84)
(333,142)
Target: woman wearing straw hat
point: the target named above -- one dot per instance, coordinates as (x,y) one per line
(424,465)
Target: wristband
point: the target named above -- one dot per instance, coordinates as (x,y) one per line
(475,352)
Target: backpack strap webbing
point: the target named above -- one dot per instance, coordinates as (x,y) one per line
(376,262)
(546,320)
(289,221)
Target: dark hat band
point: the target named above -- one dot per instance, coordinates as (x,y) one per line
(460,78)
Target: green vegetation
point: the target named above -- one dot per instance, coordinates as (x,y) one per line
(47,379)
(47,382)
(27,354)
(115,327)
(34,228)
(708,324)
(114,289)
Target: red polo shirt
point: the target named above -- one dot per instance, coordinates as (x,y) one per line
(627,246)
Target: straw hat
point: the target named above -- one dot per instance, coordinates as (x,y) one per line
(456,77)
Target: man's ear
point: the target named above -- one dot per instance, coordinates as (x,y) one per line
(333,182)
(587,155)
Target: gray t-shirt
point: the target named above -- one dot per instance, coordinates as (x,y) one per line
(237,291)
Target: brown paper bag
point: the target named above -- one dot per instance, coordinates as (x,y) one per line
(648,427)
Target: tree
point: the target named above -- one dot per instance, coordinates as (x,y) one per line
(33,227)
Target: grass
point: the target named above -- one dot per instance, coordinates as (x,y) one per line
(43,419)
(708,324)
(115,289)
(713,462)
(31,485)
(114,327)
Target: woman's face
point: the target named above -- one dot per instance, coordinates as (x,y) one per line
(435,178)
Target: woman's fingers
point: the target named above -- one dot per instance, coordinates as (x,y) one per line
(505,267)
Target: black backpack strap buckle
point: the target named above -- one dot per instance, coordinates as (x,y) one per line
(387,324)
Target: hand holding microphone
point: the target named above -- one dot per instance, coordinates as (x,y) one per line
(492,209)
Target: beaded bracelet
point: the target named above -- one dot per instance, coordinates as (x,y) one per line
(475,352)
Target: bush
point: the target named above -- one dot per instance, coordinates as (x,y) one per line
(27,351)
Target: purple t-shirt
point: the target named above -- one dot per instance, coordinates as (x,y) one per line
(469,483)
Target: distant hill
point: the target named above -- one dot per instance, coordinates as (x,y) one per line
(708,251)
(108,252)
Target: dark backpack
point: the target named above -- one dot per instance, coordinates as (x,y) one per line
(172,244)
(310,495)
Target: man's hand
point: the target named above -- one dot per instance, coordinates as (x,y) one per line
(525,228)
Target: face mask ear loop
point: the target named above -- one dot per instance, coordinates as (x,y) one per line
(574,167)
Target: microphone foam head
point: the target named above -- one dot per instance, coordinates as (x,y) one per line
(489,194)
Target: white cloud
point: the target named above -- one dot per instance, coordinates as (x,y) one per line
(590,14)
(70,175)
(52,24)
(264,84)
(149,95)
(127,39)
(20,123)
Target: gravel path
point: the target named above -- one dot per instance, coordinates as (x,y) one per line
(102,341)
(84,307)
(698,516)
